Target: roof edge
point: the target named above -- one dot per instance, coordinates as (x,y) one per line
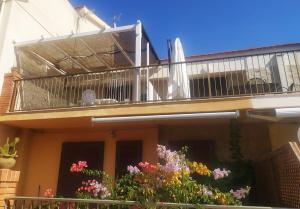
(248,51)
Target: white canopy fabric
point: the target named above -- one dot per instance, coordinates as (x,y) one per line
(82,52)
(178,81)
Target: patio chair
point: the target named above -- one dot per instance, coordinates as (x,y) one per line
(294,87)
(88,97)
(256,86)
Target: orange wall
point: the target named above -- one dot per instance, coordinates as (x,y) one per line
(6,131)
(281,134)
(44,153)
(254,141)
(43,157)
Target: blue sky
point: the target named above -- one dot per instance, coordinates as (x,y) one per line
(207,26)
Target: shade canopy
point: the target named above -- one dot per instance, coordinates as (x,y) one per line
(84,52)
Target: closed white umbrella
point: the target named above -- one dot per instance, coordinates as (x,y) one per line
(178,82)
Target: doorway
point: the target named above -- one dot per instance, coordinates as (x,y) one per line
(127,153)
(72,152)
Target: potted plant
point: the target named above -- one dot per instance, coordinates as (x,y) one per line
(8,153)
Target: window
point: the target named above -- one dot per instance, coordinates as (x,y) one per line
(198,150)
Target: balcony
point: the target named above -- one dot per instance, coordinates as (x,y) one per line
(229,76)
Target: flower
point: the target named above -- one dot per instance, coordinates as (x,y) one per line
(76,168)
(240,193)
(219,174)
(200,168)
(173,162)
(221,198)
(94,188)
(48,193)
(206,191)
(148,167)
(133,169)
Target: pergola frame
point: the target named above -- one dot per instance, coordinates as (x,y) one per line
(137,62)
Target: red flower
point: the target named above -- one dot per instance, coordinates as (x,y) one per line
(76,168)
(147,167)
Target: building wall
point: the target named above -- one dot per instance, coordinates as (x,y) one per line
(44,153)
(6,131)
(282,133)
(43,157)
(23,21)
(254,140)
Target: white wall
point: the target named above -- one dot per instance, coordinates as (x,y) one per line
(22,21)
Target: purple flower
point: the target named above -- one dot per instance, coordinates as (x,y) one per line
(173,161)
(219,174)
(240,193)
(133,169)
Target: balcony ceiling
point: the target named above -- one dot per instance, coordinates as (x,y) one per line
(86,52)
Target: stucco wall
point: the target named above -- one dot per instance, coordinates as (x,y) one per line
(281,134)
(22,147)
(43,157)
(6,131)
(45,148)
(23,21)
(254,141)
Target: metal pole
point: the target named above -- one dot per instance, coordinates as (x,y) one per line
(138,62)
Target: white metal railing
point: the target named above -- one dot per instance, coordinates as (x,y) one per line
(259,74)
(69,203)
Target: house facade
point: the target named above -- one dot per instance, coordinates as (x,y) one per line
(102,95)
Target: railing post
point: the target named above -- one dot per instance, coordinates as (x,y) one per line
(149,86)
(138,62)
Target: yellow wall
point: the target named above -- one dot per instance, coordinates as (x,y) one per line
(45,147)
(281,134)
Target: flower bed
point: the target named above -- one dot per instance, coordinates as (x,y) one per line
(174,179)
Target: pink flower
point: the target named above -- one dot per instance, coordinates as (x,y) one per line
(219,174)
(143,164)
(240,193)
(133,169)
(94,188)
(49,193)
(76,168)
